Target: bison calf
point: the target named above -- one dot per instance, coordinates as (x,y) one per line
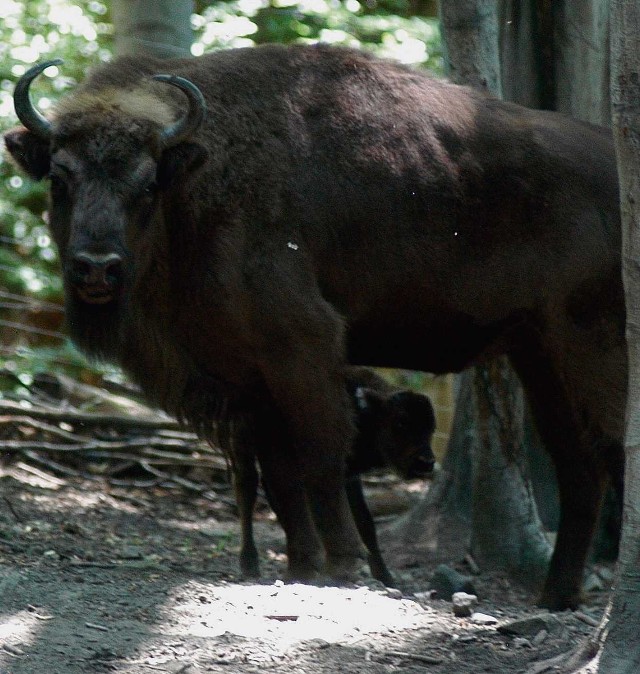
(394,429)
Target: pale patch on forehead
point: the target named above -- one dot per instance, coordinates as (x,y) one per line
(138,103)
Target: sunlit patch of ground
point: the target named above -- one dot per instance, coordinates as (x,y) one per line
(284,615)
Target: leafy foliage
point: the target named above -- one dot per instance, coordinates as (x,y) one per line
(82,34)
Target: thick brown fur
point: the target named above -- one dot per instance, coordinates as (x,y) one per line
(334,207)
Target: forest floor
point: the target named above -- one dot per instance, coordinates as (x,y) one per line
(95,579)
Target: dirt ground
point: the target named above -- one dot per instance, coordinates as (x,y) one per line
(140,581)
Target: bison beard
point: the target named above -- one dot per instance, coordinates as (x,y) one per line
(332,207)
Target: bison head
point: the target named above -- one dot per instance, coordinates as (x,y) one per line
(405,423)
(111,153)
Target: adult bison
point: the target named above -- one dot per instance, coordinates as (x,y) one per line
(331,207)
(394,428)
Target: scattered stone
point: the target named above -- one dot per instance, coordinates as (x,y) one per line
(531,625)
(424,596)
(482,619)
(540,638)
(446,581)
(130,552)
(521,642)
(463,604)
(586,618)
(373,584)
(393,592)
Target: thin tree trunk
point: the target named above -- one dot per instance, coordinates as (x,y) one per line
(506,531)
(581,59)
(614,648)
(159,28)
(621,652)
(470,42)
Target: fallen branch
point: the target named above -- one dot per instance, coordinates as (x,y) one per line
(73,417)
(426,659)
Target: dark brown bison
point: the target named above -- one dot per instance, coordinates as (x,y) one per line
(329,207)
(394,428)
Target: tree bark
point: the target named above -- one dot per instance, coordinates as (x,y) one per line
(581,59)
(159,28)
(470,39)
(621,651)
(506,531)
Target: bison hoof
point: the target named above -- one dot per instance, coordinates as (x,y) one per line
(346,569)
(250,567)
(558,601)
(305,569)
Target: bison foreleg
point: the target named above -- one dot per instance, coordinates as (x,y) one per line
(305,376)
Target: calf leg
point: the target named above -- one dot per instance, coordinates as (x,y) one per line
(367,530)
(241,440)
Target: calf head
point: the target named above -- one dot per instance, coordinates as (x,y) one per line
(404,425)
(112,154)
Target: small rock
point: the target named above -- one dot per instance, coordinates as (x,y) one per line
(393,593)
(446,581)
(586,618)
(531,625)
(131,552)
(424,596)
(463,604)
(521,642)
(374,584)
(482,619)
(540,637)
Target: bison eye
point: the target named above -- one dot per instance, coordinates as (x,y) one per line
(59,176)
(151,189)
(58,185)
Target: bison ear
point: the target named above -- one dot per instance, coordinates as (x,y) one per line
(369,399)
(178,161)
(30,153)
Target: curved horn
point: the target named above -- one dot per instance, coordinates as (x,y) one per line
(194,117)
(27,114)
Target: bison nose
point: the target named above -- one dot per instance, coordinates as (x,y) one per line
(96,276)
(422,465)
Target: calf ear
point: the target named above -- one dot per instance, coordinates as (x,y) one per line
(369,399)
(178,161)
(29,152)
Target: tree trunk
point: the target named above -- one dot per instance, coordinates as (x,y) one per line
(581,59)
(470,38)
(621,652)
(506,531)
(159,28)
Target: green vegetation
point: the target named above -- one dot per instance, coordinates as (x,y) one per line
(82,34)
